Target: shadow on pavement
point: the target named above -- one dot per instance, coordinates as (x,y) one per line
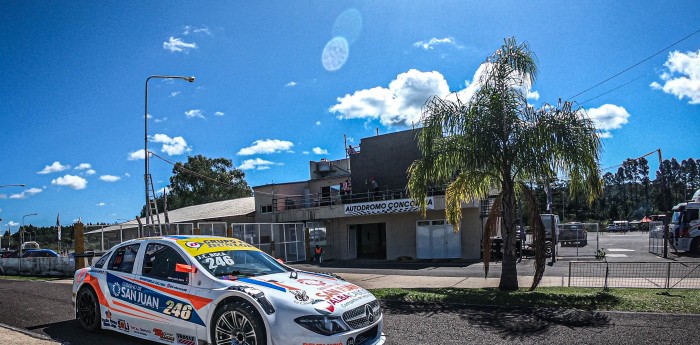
(511,323)
(70,332)
(389,265)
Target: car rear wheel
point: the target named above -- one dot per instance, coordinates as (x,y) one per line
(88,309)
(238,323)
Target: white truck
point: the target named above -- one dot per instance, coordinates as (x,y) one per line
(685,225)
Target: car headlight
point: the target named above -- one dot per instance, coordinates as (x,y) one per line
(322,324)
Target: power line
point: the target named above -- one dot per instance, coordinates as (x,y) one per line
(609,91)
(190,171)
(635,65)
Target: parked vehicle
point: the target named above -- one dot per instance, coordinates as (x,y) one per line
(40,253)
(685,225)
(620,226)
(217,290)
(30,245)
(9,254)
(573,233)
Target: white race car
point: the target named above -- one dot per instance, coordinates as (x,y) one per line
(195,290)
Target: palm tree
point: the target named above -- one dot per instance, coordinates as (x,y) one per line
(496,141)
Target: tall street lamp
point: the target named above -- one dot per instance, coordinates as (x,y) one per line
(22,232)
(145,146)
(13,185)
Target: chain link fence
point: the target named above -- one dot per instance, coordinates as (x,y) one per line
(655,275)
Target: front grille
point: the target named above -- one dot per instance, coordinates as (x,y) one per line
(367,336)
(363,315)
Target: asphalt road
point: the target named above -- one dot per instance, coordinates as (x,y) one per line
(46,308)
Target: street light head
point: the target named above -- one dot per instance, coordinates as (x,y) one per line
(190,79)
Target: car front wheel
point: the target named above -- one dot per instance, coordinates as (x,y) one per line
(88,310)
(238,323)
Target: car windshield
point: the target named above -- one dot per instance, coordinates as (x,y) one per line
(233,263)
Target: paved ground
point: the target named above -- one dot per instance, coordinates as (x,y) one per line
(44,309)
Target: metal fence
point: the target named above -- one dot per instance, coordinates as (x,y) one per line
(656,238)
(655,275)
(281,240)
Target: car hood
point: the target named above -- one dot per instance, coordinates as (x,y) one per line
(314,292)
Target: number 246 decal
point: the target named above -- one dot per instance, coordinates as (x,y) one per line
(179,310)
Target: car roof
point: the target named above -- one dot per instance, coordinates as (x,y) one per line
(197,241)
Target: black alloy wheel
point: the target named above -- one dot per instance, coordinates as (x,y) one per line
(88,309)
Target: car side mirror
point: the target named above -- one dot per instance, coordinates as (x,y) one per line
(280,261)
(182,268)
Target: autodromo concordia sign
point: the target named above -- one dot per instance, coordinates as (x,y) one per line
(386,206)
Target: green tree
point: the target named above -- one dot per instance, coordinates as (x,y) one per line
(497,141)
(203,180)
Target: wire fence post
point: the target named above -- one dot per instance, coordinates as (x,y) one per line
(569,284)
(607,273)
(668,275)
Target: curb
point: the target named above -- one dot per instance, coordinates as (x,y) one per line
(30,333)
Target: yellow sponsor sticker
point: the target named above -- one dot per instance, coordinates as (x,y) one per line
(197,246)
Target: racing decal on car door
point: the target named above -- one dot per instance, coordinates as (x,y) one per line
(147,298)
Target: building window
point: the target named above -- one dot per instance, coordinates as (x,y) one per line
(265,208)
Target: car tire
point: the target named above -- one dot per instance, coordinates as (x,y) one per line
(695,246)
(88,309)
(237,322)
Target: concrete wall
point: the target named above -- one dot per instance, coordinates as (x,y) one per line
(401,233)
(386,157)
(61,267)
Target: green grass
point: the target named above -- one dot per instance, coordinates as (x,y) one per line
(32,278)
(634,300)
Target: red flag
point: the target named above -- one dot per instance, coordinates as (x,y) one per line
(58,225)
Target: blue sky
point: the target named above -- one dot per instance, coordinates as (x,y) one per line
(268,97)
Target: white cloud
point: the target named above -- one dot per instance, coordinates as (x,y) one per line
(136,155)
(291,84)
(266,146)
(161,120)
(177,45)
(607,117)
(72,181)
(399,104)
(100,204)
(55,167)
(127,175)
(90,172)
(318,123)
(257,163)
(683,76)
(83,166)
(194,113)
(26,193)
(110,178)
(533,95)
(219,113)
(174,93)
(12,223)
(149,116)
(319,151)
(305,152)
(433,42)
(172,146)
(189,29)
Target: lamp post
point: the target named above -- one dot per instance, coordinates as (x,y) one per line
(21,241)
(145,146)
(13,185)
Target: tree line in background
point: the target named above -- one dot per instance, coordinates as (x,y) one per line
(203,180)
(46,236)
(630,193)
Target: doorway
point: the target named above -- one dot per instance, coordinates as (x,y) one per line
(367,241)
